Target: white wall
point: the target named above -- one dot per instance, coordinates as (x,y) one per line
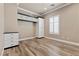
(69,23)
(1,27)
(26,29)
(10,10)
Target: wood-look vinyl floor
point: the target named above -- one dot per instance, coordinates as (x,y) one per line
(42,47)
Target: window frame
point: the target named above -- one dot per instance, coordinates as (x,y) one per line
(54,24)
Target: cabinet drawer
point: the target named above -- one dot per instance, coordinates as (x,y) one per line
(7,36)
(15,36)
(11,39)
(7,43)
(14,43)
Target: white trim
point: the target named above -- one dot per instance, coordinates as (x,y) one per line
(26,38)
(64,41)
(56,9)
(19,8)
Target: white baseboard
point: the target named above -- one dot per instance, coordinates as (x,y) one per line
(64,41)
(26,38)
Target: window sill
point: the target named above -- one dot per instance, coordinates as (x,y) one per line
(54,33)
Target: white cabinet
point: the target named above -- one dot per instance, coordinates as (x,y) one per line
(40,28)
(11,39)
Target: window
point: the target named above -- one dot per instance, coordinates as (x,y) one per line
(54,25)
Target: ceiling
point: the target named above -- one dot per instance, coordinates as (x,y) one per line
(39,8)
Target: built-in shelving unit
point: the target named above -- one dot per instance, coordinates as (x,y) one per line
(39,24)
(22,17)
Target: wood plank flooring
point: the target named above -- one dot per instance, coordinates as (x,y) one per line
(42,47)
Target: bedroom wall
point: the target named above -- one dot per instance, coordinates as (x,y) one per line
(69,23)
(26,29)
(10,10)
(1,27)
